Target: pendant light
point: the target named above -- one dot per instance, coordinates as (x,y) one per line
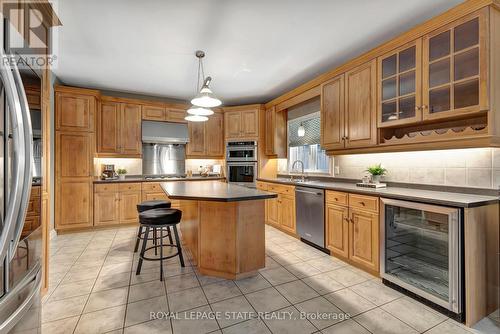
(196,118)
(301,131)
(205,97)
(194,110)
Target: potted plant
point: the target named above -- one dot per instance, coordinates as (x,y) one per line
(376,171)
(121,173)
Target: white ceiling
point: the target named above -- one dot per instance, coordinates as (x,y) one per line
(256,50)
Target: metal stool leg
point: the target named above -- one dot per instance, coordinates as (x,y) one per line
(170,235)
(138,239)
(143,249)
(161,254)
(178,242)
(155,239)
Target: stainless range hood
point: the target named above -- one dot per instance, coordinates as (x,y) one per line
(164,133)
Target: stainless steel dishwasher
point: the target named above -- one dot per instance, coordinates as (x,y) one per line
(310,214)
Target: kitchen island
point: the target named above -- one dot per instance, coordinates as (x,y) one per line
(222,225)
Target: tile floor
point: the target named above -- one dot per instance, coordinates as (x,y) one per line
(94,289)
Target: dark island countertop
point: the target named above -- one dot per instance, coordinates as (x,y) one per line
(453,199)
(213,191)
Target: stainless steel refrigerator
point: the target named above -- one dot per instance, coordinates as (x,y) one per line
(20,252)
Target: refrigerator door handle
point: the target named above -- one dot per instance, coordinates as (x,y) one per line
(28,162)
(13,319)
(12,208)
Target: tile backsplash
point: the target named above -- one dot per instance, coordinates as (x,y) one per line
(476,167)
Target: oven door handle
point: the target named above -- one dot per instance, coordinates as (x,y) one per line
(242,163)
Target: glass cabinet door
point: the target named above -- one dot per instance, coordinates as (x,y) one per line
(400,86)
(455,62)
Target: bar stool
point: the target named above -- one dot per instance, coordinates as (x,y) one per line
(159,219)
(149,205)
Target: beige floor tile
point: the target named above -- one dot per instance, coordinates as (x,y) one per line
(270,264)
(450,327)
(186,299)
(267,300)
(296,291)
(325,264)
(116,268)
(63,326)
(350,302)
(254,326)
(220,291)
(188,324)
(414,314)
(278,276)
(146,275)
(346,327)
(376,292)
(233,311)
(286,259)
(81,274)
(105,299)
(181,282)
(251,284)
(146,290)
(346,277)
(159,326)
(302,269)
(323,283)
(72,289)
(111,281)
(320,312)
(378,321)
(140,311)
(101,321)
(291,323)
(65,308)
(204,280)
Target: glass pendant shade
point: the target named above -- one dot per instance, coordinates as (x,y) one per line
(206,99)
(199,111)
(196,118)
(301,131)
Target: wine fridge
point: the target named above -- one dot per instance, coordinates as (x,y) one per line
(421,253)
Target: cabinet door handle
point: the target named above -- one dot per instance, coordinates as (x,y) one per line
(424,107)
(362,203)
(418,108)
(346,138)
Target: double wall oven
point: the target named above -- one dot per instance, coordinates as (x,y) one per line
(241,162)
(422,253)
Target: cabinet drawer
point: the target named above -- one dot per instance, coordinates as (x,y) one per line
(281,189)
(151,186)
(105,188)
(129,187)
(363,202)
(336,197)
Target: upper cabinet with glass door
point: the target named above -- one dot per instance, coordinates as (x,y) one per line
(400,76)
(455,60)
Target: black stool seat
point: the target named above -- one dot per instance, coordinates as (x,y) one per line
(155,204)
(160,217)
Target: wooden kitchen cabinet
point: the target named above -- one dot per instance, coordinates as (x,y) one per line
(153,191)
(337,229)
(75,109)
(116,203)
(74,153)
(352,228)
(276,133)
(455,68)
(157,112)
(361,105)
(176,115)
(400,85)
(280,211)
(348,109)
(119,129)
(242,122)
(332,114)
(73,203)
(206,138)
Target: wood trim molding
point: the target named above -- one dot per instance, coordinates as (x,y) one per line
(76,90)
(430,25)
(108,98)
(307,95)
(243,107)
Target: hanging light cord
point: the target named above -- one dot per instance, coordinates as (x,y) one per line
(201,71)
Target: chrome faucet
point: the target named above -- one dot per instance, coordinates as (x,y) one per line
(302,172)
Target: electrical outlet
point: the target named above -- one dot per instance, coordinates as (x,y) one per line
(336,170)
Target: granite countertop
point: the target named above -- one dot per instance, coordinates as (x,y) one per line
(140,178)
(213,191)
(453,199)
